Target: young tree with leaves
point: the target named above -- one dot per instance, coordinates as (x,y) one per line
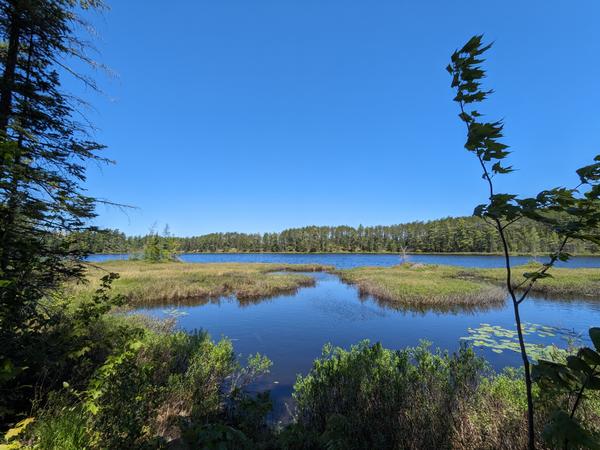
(572,213)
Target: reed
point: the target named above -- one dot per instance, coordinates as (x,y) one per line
(144,283)
(418,285)
(564,282)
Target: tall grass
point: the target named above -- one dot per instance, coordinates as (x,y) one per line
(417,286)
(449,288)
(584,282)
(144,283)
(64,429)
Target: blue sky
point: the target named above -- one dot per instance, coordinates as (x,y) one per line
(260,115)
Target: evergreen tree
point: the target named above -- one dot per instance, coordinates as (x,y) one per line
(43,152)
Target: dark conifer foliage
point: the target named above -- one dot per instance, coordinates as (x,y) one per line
(448,235)
(44,146)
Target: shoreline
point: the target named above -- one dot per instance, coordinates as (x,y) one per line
(575,255)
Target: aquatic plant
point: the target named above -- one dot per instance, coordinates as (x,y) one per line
(499,339)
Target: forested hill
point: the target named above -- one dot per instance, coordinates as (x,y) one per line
(461,234)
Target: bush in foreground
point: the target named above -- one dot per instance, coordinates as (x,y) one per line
(169,389)
(165,389)
(372,397)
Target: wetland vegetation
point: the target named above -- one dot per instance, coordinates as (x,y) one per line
(421,285)
(146,283)
(445,286)
(441,287)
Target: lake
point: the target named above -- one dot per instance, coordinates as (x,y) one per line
(349,260)
(292,329)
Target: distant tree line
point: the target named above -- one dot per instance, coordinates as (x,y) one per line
(452,234)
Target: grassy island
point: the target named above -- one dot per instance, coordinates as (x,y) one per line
(403,286)
(582,282)
(144,283)
(418,285)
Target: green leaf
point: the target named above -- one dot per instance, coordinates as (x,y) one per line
(578,364)
(595,337)
(563,428)
(498,168)
(590,356)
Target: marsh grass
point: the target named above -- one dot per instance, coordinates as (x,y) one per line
(415,287)
(424,286)
(449,288)
(144,283)
(584,282)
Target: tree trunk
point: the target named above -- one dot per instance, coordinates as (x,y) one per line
(8,77)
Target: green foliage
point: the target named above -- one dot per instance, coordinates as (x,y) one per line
(570,213)
(168,384)
(67,345)
(101,241)
(570,379)
(459,234)
(160,248)
(64,427)
(44,150)
(121,399)
(371,397)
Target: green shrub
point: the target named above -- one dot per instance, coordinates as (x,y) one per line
(167,384)
(71,339)
(371,397)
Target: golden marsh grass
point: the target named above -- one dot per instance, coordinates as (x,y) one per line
(144,283)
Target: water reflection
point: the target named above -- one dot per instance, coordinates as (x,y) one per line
(292,328)
(198,301)
(425,308)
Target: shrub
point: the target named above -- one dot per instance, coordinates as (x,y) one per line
(165,387)
(68,343)
(371,397)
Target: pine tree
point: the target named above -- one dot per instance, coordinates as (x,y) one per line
(43,151)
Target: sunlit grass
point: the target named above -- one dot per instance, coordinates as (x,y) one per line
(423,285)
(584,282)
(144,283)
(445,287)
(411,286)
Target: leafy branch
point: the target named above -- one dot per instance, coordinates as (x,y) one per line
(571,213)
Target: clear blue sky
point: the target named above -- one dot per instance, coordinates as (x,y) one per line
(260,115)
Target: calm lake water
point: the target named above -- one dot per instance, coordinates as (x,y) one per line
(348,260)
(292,329)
